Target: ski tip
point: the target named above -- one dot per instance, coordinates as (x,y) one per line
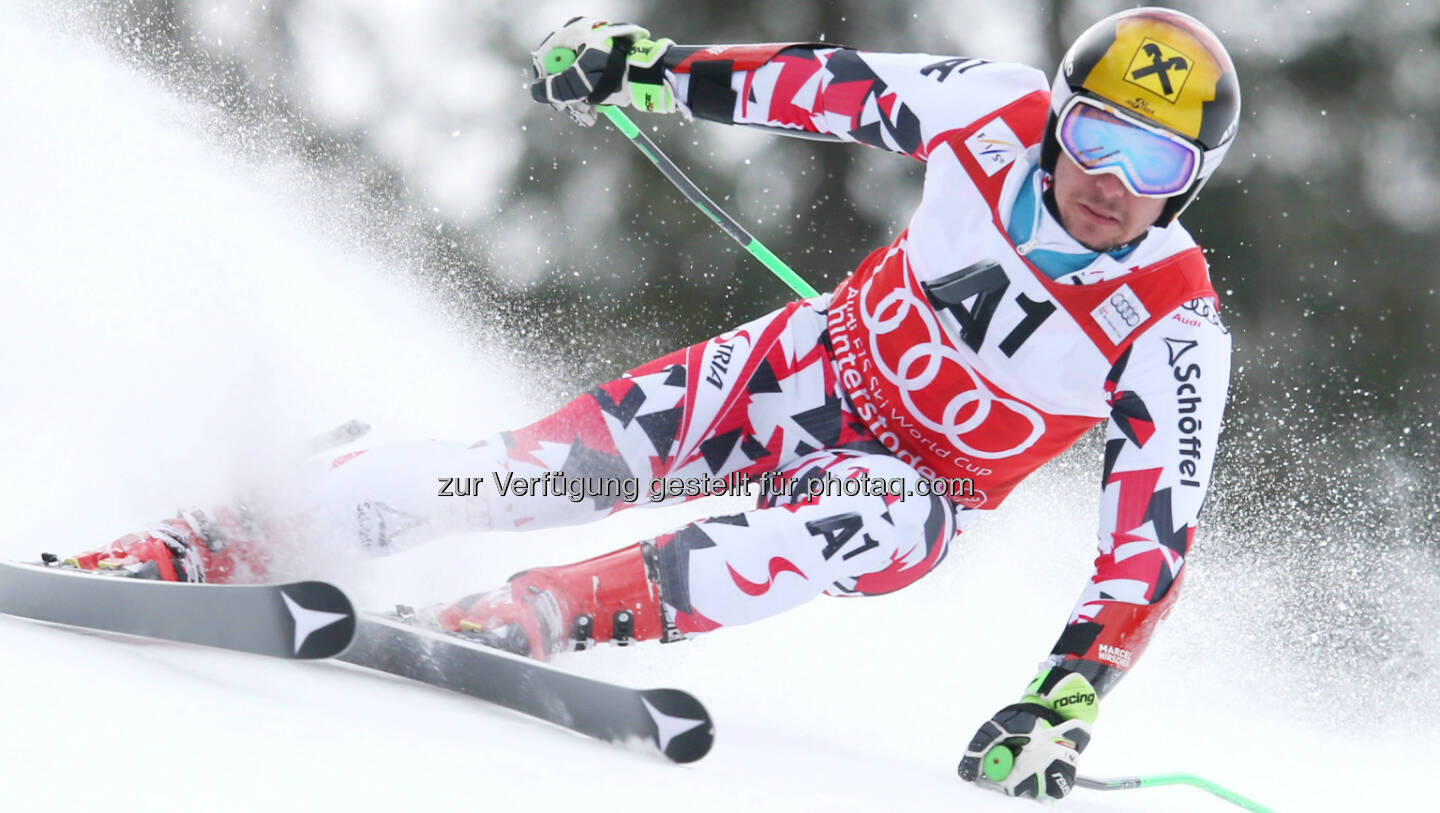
(684,731)
(323,619)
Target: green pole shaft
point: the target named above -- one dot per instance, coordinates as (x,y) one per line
(1131,782)
(688,188)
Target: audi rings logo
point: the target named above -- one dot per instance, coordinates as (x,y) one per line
(1120,314)
(1126,310)
(932,369)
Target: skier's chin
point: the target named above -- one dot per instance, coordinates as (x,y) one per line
(1096,243)
(1096,231)
(1103,248)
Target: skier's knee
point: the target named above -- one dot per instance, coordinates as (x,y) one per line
(904,531)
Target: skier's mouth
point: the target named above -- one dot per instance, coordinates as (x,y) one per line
(1098,215)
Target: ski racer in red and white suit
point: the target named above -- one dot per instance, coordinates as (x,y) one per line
(983,341)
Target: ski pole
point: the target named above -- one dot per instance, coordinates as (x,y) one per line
(558,59)
(1131,782)
(688,188)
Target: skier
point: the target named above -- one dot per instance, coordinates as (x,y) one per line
(1042,285)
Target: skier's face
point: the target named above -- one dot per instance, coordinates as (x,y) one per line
(1098,210)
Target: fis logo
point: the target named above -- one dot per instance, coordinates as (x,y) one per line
(994,146)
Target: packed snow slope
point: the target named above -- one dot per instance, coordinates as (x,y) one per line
(173,317)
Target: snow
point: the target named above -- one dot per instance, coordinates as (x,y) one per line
(171,315)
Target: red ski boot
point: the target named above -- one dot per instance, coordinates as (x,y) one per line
(192,546)
(545,610)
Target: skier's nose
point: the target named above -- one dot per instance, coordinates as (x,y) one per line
(1109,186)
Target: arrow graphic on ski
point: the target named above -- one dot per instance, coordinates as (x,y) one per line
(674,721)
(292,620)
(307,621)
(668,727)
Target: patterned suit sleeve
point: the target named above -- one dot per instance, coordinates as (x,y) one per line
(895,102)
(1167,394)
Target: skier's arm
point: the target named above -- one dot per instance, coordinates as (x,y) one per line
(896,102)
(1167,395)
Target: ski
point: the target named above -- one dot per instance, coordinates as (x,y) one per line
(297,620)
(309,620)
(675,722)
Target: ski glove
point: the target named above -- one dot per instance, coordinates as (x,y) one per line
(1030,748)
(589,62)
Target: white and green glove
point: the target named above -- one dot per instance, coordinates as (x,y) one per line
(1030,748)
(589,62)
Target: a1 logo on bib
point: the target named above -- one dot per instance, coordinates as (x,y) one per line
(995,146)
(1160,69)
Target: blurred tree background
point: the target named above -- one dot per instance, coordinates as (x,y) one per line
(1321,227)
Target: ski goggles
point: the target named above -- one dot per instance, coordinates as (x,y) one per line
(1151,162)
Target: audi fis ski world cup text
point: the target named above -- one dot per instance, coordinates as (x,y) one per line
(628,489)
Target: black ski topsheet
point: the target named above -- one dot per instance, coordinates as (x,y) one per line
(296,620)
(674,721)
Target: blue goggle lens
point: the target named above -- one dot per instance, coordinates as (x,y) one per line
(1150,163)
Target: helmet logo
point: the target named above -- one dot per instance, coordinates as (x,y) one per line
(1159,69)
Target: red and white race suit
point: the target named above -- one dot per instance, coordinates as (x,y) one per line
(963,358)
(947,354)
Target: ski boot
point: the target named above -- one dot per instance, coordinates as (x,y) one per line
(547,610)
(192,546)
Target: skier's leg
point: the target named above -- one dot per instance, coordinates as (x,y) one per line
(875,536)
(867,533)
(741,404)
(227,544)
